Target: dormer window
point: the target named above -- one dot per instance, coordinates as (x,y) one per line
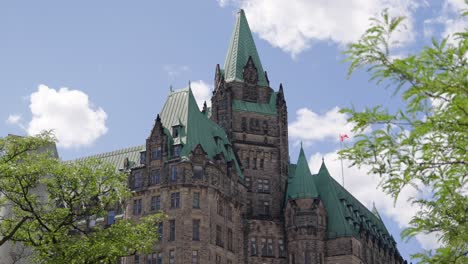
(176,131)
(143,157)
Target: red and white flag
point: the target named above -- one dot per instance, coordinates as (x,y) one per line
(343,137)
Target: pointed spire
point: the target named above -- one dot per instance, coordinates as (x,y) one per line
(205,108)
(241,47)
(374,211)
(189,85)
(323,168)
(302,185)
(170,88)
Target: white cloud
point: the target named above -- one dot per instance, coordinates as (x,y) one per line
(364,187)
(13,119)
(69,113)
(451,20)
(202,93)
(175,70)
(294,25)
(223,3)
(311,127)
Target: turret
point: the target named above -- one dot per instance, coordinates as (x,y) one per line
(305,216)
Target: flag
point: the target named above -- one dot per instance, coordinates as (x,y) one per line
(343,137)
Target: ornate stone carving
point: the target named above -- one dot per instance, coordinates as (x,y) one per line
(250,72)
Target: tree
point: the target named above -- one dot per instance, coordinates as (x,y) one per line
(423,144)
(49,205)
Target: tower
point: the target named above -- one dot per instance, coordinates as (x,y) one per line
(254,117)
(305,216)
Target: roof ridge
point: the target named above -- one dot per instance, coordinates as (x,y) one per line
(111,153)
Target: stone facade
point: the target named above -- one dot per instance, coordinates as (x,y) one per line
(217,214)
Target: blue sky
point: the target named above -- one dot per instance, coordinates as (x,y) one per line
(117,60)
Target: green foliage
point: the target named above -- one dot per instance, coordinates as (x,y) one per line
(51,204)
(424,144)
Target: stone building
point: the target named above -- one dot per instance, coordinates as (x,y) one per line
(224,178)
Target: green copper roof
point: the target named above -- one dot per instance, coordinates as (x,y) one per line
(266,109)
(117,157)
(345,213)
(301,184)
(196,128)
(242,46)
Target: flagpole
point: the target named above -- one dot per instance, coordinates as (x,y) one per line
(341,158)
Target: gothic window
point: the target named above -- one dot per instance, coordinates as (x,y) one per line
(196,200)
(143,157)
(248,183)
(156,153)
(174,174)
(160,230)
(219,236)
(229,239)
(252,124)
(177,150)
(220,207)
(155,177)
(151,258)
(308,259)
(175,200)
(137,180)
(229,212)
(270,247)
(196,230)
(253,246)
(172,230)
(160,258)
(254,163)
(195,259)
(172,257)
(110,217)
(266,208)
(197,172)
(264,247)
(159,152)
(249,207)
(136,260)
(218,259)
(265,126)
(262,164)
(244,124)
(246,162)
(281,251)
(156,203)
(137,207)
(175,131)
(263,185)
